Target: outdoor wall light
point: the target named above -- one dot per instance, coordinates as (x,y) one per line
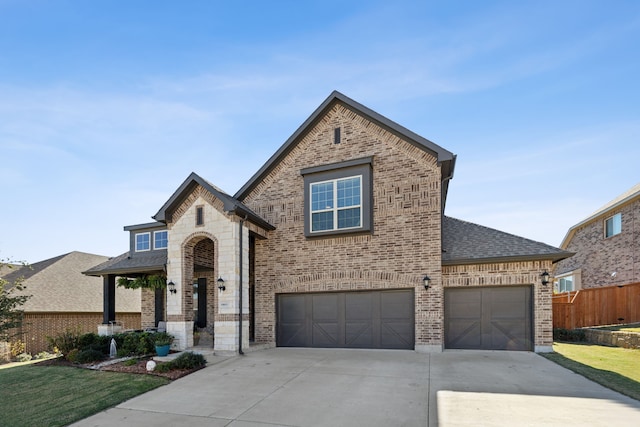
(426,280)
(544,277)
(221,285)
(172,287)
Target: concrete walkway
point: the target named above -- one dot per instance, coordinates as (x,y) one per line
(318,387)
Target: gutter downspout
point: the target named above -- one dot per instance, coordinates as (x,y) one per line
(240,285)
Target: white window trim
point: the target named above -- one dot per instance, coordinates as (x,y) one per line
(135,242)
(611,218)
(154,239)
(335,209)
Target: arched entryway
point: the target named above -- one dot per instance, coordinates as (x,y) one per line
(200,267)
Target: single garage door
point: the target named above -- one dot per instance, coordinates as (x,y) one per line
(375,319)
(493,318)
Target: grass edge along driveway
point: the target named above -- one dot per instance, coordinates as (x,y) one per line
(613,367)
(33,395)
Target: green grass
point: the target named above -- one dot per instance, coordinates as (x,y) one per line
(35,395)
(613,367)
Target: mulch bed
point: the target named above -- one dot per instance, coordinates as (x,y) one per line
(140,367)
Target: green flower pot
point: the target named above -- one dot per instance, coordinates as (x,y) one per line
(163,350)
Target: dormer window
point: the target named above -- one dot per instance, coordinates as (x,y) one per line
(160,239)
(143,242)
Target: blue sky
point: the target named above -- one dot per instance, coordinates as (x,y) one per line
(106,107)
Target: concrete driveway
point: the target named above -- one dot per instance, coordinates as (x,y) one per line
(318,387)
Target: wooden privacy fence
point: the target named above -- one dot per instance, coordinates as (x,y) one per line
(598,306)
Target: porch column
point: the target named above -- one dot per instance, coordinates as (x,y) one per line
(109,299)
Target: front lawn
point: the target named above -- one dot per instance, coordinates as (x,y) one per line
(613,367)
(35,395)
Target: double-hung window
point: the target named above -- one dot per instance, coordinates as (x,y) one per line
(160,239)
(336,204)
(143,242)
(337,198)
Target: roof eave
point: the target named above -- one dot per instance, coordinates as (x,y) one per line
(124,271)
(516,258)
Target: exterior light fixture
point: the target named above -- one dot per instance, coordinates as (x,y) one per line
(544,277)
(221,285)
(426,280)
(172,287)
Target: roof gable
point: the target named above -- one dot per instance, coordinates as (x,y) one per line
(230,204)
(445,158)
(467,243)
(628,196)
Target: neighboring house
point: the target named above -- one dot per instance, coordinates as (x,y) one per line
(339,240)
(62,298)
(606,247)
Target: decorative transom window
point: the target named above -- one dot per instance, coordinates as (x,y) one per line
(336,204)
(613,225)
(143,242)
(199,215)
(337,198)
(160,239)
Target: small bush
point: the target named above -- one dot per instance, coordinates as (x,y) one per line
(88,356)
(17,347)
(43,355)
(164,367)
(162,338)
(72,355)
(189,360)
(23,357)
(66,341)
(130,362)
(569,335)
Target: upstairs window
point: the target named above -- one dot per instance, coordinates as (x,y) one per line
(143,242)
(160,239)
(336,204)
(613,225)
(337,198)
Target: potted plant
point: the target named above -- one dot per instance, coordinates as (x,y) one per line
(162,342)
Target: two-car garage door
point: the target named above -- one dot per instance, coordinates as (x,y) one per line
(369,319)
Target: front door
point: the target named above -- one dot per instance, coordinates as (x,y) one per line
(201,296)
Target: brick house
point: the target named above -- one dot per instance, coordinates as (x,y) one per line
(606,247)
(62,298)
(339,240)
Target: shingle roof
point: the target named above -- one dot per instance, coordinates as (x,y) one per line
(445,158)
(464,242)
(231,204)
(626,197)
(127,264)
(58,285)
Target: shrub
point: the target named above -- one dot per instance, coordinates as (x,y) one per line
(17,347)
(130,362)
(164,367)
(66,341)
(72,355)
(43,355)
(189,360)
(88,356)
(569,335)
(23,357)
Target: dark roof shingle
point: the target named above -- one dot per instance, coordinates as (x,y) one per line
(123,264)
(464,242)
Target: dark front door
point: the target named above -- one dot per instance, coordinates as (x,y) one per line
(374,319)
(491,318)
(201,321)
